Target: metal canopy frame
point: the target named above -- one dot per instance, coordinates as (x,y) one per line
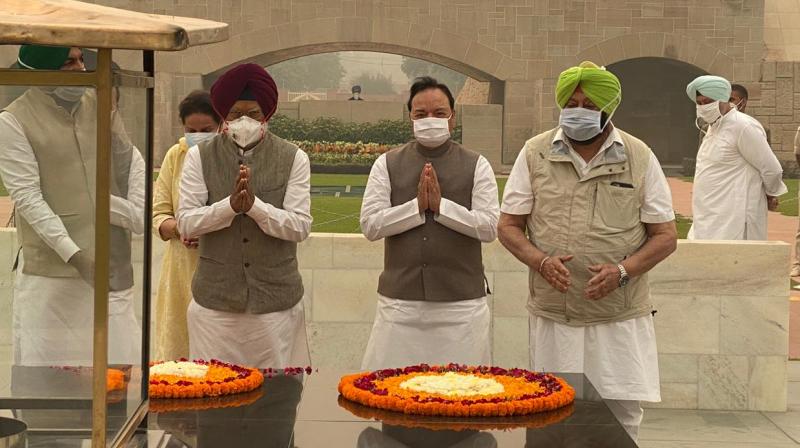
(76,24)
(103,79)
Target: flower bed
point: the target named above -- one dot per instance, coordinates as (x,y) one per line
(342,153)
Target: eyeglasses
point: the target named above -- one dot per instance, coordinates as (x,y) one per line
(255,114)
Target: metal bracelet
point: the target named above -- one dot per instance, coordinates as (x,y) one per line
(541,265)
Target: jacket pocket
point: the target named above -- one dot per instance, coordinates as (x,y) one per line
(545,297)
(616,207)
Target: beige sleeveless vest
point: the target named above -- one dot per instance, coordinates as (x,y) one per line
(62,143)
(596,219)
(65,146)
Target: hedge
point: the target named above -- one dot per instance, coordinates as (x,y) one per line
(325,129)
(342,153)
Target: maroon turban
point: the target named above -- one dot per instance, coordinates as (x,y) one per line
(246,81)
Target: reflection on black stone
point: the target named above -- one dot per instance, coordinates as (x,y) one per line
(267,423)
(68,393)
(566,436)
(400,437)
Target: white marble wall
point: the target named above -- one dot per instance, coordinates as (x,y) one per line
(722,321)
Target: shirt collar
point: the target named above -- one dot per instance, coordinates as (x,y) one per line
(612,151)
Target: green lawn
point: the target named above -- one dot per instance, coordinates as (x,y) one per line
(683,223)
(335,180)
(788,204)
(340,214)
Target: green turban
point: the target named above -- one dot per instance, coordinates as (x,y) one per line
(715,87)
(600,85)
(40,57)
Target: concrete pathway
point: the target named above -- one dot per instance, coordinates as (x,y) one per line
(673,428)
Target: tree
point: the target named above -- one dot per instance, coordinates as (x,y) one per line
(414,68)
(309,73)
(374,84)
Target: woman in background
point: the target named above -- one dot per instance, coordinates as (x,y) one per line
(200,123)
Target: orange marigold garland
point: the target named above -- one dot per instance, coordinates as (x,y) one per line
(220,379)
(115,380)
(539,420)
(201,404)
(524,392)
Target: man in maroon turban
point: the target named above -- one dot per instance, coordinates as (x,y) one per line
(246,195)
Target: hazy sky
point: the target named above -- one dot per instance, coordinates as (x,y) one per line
(358,62)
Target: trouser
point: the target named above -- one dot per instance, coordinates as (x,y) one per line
(629,413)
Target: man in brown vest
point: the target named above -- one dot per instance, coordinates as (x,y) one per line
(433,202)
(47,162)
(598,214)
(246,194)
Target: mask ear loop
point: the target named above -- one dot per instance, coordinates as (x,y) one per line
(697,125)
(608,120)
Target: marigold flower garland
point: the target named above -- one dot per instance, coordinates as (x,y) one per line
(220,379)
(539,420)
(201,404)
(525,392)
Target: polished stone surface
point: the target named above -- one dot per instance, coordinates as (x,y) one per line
(320,421)
(295,411)
(310,414)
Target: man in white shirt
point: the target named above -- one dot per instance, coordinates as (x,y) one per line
(738,177)
(47,162)
(246,194)
(588,209)
(433,202)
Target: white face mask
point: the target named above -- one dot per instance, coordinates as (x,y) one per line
(581,124)
(195,138)
(432,132)
(709,113)
(70,94)
(245,131)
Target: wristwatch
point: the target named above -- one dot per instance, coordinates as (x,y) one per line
(624,278)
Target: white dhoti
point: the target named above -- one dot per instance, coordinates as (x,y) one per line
(619,358)
(270,340)
(53,323)
(408,332)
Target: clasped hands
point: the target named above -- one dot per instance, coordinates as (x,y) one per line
(605,280)
(429,193)
(242,198)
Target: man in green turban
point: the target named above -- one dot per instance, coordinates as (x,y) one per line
(598,215)
(47,163)
(737,176)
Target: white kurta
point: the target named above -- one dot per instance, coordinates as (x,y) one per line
(619,358)
(407,332)
(736,170)
(271,340)
(53,317)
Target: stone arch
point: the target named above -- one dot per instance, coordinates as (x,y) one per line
(655,107)
(661,45)
(268,44)
(271,44)
(273,57)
